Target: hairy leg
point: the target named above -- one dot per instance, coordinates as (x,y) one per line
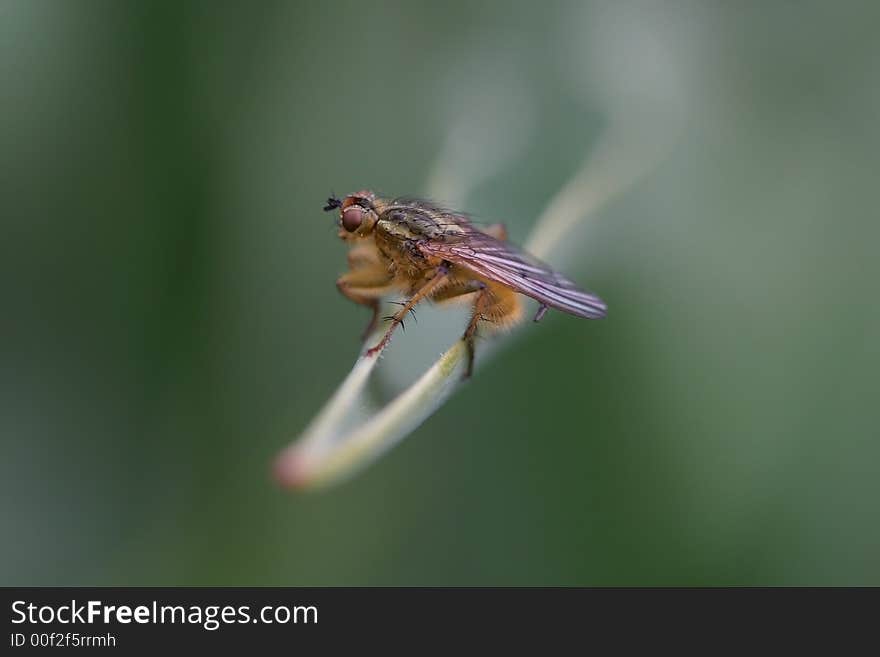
(495,304)
(457,291)
(365,286)
(431,285)
(491,303)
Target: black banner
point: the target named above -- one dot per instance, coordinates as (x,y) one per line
(323,619)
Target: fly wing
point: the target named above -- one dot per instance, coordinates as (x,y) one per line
(506,264)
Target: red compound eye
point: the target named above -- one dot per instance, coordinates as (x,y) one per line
(352,218)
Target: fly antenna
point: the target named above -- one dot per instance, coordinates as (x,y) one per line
(332,204)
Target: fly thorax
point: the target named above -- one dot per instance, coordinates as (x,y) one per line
(411,225)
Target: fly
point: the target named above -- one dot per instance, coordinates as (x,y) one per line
(428,252)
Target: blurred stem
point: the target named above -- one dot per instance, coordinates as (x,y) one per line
(618,161)
(305,465)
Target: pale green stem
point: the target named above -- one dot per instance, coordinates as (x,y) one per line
(615,164)
(301,466)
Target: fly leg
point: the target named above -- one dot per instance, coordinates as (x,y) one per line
(431,285)
(365,286)
(483,302)
(457,290)
(495,304)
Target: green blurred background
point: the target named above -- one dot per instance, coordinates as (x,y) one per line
(170,317)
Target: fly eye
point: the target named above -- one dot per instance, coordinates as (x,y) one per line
(352,217)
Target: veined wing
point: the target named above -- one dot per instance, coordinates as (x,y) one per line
(506,264)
